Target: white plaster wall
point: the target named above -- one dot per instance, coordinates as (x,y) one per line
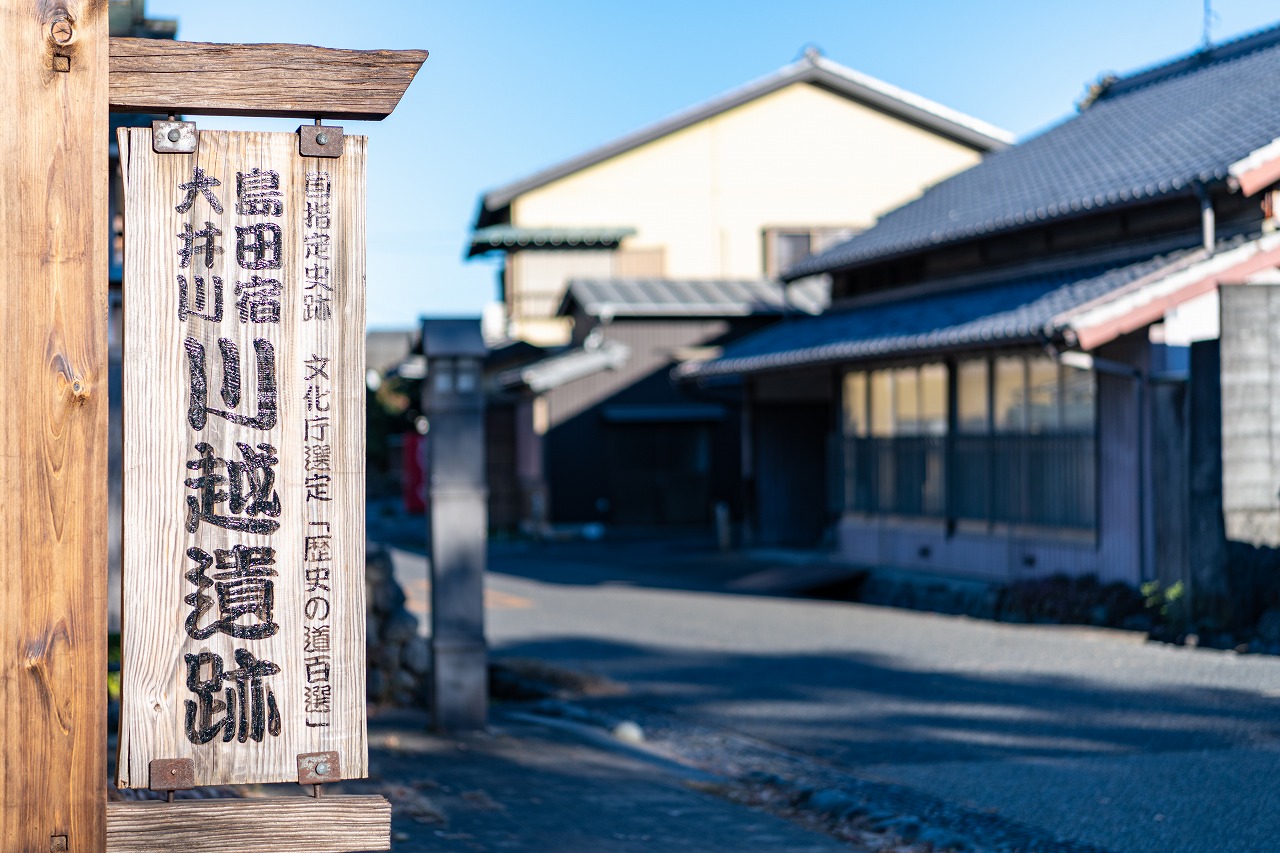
(537,282)
(1193,320)
(799,156)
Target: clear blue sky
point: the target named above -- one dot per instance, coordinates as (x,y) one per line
(513,86)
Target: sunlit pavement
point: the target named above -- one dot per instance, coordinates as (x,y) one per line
(1091,736)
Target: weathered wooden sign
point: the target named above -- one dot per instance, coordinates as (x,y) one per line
(243,571)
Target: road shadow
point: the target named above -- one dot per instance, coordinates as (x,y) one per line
(525,787)
(689,562)
(862,709)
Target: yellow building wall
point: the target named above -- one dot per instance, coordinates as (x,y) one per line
(536,282)
(801,156)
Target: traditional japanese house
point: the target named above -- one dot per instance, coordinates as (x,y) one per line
(602,433)
(697,211)
(1026,370)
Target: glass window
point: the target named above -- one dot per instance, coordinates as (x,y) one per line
(444,375)
(1010,398)
(1079,398)
(881,404)
(971,396)
(784,247)
(1023,451)
(906,401)
(855,404)
(1042,395)
(933,399)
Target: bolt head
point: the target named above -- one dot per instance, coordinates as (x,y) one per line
(322,138)
(174,135)
(322,769)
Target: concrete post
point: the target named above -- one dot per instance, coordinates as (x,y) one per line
(453,401)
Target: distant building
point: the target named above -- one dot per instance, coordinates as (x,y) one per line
(1045,364)
(600,434)
(737,188)
(666,240)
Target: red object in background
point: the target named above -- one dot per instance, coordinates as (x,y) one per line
(414,479)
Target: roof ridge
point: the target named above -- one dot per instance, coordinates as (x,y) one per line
(808,69)
(913,99)
(1223,51)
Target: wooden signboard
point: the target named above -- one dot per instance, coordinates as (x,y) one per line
(243,574)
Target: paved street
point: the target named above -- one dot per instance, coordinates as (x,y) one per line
(529,787)
(1087,734)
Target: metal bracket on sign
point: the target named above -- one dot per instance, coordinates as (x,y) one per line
(319,140)
(172,774)
(316,768)
(173,136)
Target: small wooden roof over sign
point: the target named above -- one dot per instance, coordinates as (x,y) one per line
(286,80)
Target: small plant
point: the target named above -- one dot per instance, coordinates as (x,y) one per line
(1160,600)
(113,667)
(1165,605)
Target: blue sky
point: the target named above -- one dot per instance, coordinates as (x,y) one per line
(514,86)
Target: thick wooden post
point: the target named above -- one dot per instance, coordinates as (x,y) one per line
(53,425)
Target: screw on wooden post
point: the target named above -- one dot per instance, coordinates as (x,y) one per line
(320,140)
(61,32)
(316,768)
(174,137)
(172,774)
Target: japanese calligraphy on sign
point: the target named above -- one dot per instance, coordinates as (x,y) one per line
(243,580)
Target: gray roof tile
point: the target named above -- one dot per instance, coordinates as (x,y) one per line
(1018,311)
(511,237)
(1153,133)
(660,297)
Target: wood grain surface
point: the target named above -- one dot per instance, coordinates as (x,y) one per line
(156,76)
(161,444)
(333,824)
(53,425)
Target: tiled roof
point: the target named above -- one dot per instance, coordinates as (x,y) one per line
(513,237)
(814,69)
(567,366)
(1021,310)
(458,336)
(660,297)
(1154,133)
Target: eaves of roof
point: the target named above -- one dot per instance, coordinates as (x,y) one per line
(565,367)
(508,237)
(668,298)
(1019,311)
(813,69)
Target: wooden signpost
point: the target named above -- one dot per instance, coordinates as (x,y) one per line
(62,74)
(243,572)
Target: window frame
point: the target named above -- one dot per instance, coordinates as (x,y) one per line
(1062,445)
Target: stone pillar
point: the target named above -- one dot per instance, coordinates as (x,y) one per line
(453,401)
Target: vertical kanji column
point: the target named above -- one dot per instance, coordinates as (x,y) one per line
(53,425)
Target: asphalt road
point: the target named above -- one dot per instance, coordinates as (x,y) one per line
(1089,736)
